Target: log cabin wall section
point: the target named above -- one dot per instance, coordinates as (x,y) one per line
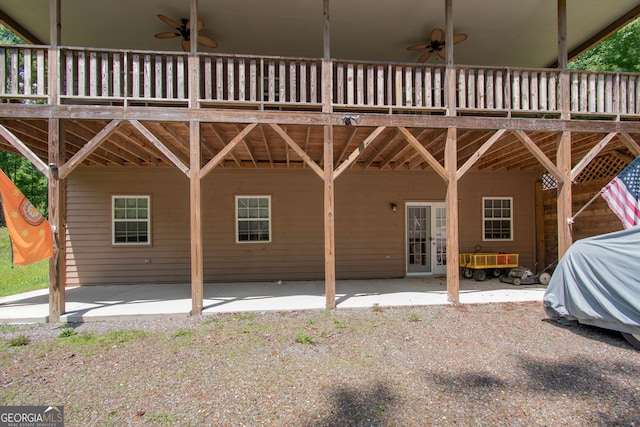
(191,125)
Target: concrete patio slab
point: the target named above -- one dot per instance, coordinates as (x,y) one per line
(87,303)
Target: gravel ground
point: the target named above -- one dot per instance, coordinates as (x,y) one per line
(475,365)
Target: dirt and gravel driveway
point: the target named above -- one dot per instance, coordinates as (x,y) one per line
(484,365)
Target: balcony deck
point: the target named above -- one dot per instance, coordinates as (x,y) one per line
(149,78)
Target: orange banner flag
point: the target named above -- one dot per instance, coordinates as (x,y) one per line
(30,233)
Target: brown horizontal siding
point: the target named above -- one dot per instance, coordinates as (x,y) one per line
(370,237)
(521,187)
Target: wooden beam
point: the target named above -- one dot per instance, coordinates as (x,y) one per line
(193,65)
(224,144)
(55,36)
(347,142)
(539,155)
(249,151)
(176,114)
(380,148)
(160,146)
(630,143)
(266,146)
(564,202)
(562,34)
(195,220)
(565,106)
(226,150)
(18,29)
(541,259)
(303,155)
(329,221)
(424,153)
(57,220)
(592,154)
(25,151)
(398,150)
(327,81)
(358,151)
(481,151)
(451,202)
(448,32)
(86,151)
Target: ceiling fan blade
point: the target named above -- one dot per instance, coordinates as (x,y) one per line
(458,38)
(418,46)
(442,53)
(170,22)
(437,35)
(166,35)
(207,41)
(425,56)
(186,45)
(200,25)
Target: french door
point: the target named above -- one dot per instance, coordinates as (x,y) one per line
(426,244)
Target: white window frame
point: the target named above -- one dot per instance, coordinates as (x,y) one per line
(238,219)
(485,219)
(114,219)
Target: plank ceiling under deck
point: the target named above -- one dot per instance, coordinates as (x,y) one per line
(263,147)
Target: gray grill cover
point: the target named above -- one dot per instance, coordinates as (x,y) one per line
(597,282)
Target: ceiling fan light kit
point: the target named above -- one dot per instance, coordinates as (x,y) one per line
(184,30)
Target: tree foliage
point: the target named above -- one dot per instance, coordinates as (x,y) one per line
(619,52)
(27,178)
(23,174)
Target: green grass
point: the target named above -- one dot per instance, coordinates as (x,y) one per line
(15,279)
(303,338)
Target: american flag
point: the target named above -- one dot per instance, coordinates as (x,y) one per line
(623,194)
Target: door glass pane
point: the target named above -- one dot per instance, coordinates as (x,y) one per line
(440,235)
(419,239)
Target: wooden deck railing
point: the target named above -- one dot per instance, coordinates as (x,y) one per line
(126,77)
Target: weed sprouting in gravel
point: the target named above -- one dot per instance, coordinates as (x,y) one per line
(162,418)
(66,333)
(339,324)
(376,307)
(182,333)
(303,338)
(4,328)
(413,317)
(125,336)
(210,321)
(19,341)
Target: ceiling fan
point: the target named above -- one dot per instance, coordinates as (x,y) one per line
(184,30)
(436,44)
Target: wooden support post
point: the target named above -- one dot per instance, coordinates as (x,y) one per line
(329,221)
(450,77)
(56,157)
(194,70)
(564,193)
(563,59)
(329,199)
(197,259)
(451,202)
(327,81)
(541,258)
(55,27)
(57,214)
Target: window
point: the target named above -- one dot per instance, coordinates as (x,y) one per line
(497,218)
(131,220)
(253,219)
